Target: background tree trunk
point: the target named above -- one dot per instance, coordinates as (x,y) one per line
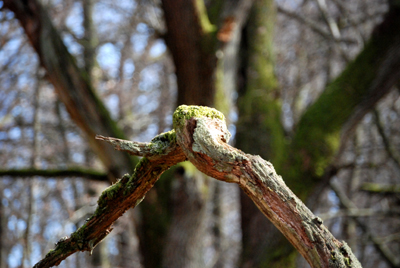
(317,138)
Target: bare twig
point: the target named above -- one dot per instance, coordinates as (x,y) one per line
(315,26)
(386,142)
(160,146)
(360,212)
(91,174)
(381,188)
(383,249)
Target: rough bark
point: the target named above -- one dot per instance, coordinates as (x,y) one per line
(71,83)
(201,137)
(128,192)
(203,140)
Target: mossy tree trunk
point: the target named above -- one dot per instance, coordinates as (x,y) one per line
(259,131)
(318,135)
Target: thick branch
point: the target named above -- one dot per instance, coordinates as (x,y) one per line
(203,136)
(128,192)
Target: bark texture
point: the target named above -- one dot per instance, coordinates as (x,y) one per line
(201,137)
(128,192)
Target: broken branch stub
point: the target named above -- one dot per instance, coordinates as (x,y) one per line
(202,134)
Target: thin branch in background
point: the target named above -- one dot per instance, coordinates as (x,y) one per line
(56,173)
(360,212)
(61,129)
(333,27)
(386,142)
(34,164)
(382,248)
(313,25)
(381,188)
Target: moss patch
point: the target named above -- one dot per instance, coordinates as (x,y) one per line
(184,112)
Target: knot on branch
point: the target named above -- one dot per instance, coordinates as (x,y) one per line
(202,134)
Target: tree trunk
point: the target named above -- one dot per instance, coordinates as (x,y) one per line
(338,110)
(259,128)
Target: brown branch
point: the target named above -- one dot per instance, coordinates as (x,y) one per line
(127,193)
(56,173)
(203,136)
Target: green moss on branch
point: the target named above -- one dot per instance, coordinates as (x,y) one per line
(184,112)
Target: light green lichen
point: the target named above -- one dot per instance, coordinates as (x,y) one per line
(184,112)
(161,143)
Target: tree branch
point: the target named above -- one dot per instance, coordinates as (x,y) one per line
(128,192)
(378,188)
(389,148)
(56,173)
(155,149)
(315,26)
(202,136)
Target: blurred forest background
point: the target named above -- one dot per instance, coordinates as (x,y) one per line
(310,85)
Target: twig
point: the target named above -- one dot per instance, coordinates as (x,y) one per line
(315,26)
(389,148)
(56,173)
(385,252)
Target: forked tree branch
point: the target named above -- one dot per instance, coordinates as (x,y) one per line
(127,193)
(200,135)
